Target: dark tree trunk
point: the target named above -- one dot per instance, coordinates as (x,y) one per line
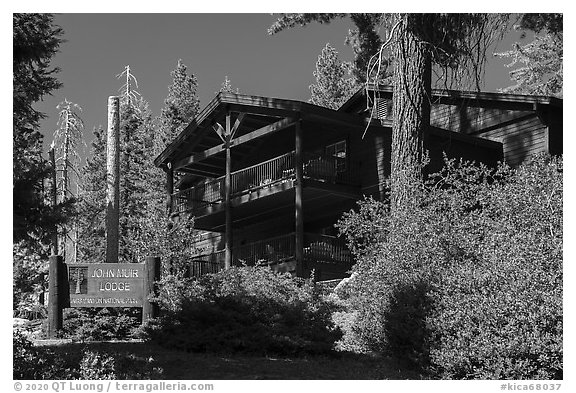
(411,110)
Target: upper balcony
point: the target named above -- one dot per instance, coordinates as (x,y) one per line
(267,178)
(255,139)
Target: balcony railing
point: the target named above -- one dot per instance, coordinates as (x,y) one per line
(331,170)
(270,251)
(205,264)
(275,250)
(265,174)
(198,197)
(326,249)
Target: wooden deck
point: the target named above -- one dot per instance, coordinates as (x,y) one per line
(265,179)
(327,254)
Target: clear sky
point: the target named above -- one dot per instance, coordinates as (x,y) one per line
(213,46)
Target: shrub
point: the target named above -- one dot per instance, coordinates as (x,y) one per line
(29,267)
(244,309)
(30,362)
(96,365)
(468,284)
(97,324)
(41,363)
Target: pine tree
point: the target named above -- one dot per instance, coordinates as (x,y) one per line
(157,234)
(541,68)
(135,128)
(366,42)
(36,40)
(226,86)
(92,202)
(451,45)
(180,106)
(332,88)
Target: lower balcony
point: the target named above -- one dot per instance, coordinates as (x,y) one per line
(326,255)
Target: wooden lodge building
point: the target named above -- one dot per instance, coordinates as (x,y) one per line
(266,179)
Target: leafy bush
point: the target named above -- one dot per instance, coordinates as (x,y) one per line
(244,309)
(95,365)
(468,284)
(29,268)
(31,362)
(97,324)
(40,363)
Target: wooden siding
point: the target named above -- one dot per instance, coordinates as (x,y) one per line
(374,151)
(522,133)
(457,146)
(470,120)
(373,154)
(520,140)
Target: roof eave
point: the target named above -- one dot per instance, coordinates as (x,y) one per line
(276,106)
(457,94)
(162,158)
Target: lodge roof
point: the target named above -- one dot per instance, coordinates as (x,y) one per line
(454,97)
(266,109)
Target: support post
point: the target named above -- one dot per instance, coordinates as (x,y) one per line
(169,187)
(227,197)
(152,269)
(299,217)
(57,287)
(113,180)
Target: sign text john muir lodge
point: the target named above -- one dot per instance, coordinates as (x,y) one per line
(100,285)
(106,285)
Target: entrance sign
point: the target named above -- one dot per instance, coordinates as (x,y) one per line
(106,285)
(100,285)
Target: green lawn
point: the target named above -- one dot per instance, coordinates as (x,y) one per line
(172,364)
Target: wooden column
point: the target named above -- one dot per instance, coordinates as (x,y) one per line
(227,197)
(169,187)
(56,288)
(299,217)
(152,269)
(113,180)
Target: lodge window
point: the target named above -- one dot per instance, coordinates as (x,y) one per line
(338,152)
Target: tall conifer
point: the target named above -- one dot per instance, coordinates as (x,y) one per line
(332,87)
(36,40)
(157,234)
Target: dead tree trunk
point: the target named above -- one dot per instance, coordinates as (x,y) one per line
(54,236)
(411,108)
(65,184)
(113,180)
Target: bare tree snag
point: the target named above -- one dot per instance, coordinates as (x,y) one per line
(113,180)
(54,195)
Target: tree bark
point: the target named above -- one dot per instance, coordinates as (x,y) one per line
(411,110)
(113,181)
